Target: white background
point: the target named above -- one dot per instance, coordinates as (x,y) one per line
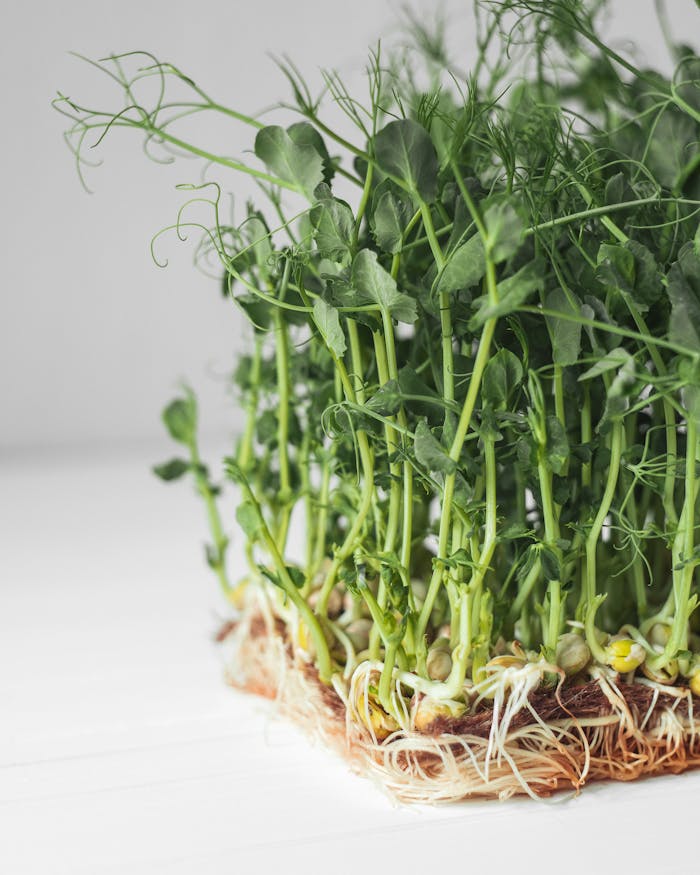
(93,337)
(121,751)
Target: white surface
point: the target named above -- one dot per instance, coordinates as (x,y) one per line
(93,337)
(121,750)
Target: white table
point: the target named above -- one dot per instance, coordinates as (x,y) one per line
(121,750)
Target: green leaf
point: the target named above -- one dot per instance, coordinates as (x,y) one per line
(557,445)
(614,359)
(248,518)
(391,213)
(689,372)
(632,270)
(299,165)
(551,565)
(333,224)
(616,267)
(502,376)
(618,395)
(296,575)
(683,289)
(505,229)
(403,149)
(171,470)
(615,189)
(512,292)
(376,285)
(565,334)
(180,418)
(429,451)
(464,268)
(327,321)
(386,401)
(304,134)
(257,235)
(648,287)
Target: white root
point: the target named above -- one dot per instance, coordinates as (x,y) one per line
(520,753)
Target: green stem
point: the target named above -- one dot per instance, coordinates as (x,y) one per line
(589,590)
(323,657)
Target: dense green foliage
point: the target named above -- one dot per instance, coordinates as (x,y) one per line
(480,380)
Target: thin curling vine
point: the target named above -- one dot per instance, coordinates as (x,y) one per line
(477,378)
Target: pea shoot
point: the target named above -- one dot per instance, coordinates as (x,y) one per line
(474,376)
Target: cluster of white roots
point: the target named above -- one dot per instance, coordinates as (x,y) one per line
(528,755)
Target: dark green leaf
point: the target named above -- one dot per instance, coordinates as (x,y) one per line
(386,401)
(616,267)
(180,418)
(557,446)
(404,150)
(512,292)
(551,565)
(615,189)
(565,334)
(502,376)
(298,165)
(429,451)
(172,470)
(647,282)
(683,288)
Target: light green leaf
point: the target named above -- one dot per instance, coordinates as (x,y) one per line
(404,150)
(327,321)
(298,164)
(376,285)
(465,267)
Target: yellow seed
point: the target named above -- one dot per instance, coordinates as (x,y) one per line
(373,716)
(694,683)
(624,655)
